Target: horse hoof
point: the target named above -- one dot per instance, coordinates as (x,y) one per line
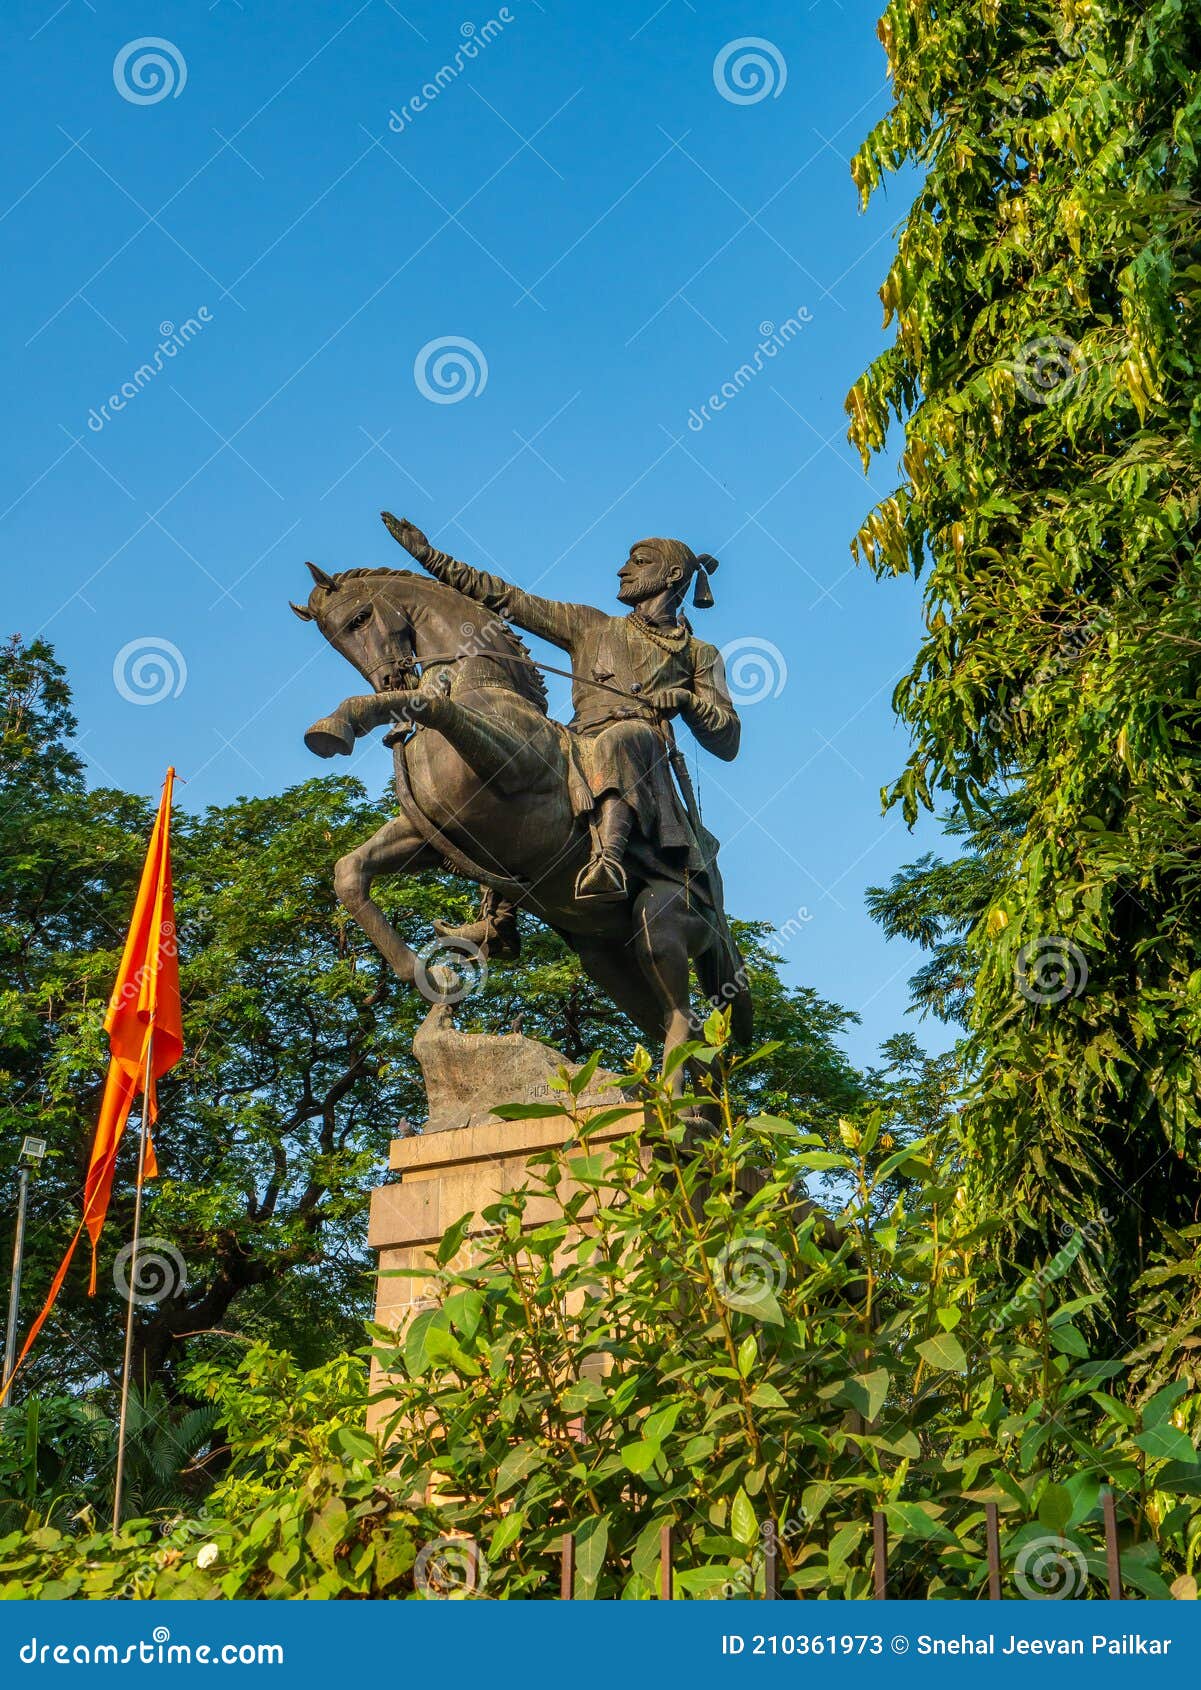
(330,738)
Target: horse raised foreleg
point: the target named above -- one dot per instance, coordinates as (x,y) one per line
(504,754)
(390,851)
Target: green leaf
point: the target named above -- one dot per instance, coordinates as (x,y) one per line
(579,1082)
(868,1391)
(744,1525)
(1166,1443)
(1068,1341)
(581,1396)
(464,1310)
(327,1530)
(1084,1489)
(591,1541)
(1055,1509)
(507,1532)
(703,1582)
(767,1396)
(353,1444)
(897,1159)
(452,1239)
(773,1124)
(944,1351)
(531,1112)
(516,1466)
(916,1520)
(420,1340)
(1163,1402)
(641,1455)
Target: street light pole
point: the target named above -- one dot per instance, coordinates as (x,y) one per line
(32,1151)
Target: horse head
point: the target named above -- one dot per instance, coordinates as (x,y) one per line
(365,615)
(390,622)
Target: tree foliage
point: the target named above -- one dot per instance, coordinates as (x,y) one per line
(1045,293)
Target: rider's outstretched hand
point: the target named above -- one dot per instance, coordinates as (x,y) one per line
(408,535)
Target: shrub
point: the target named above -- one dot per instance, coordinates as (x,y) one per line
(688,1341)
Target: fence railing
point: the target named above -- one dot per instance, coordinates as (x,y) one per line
(771,1560)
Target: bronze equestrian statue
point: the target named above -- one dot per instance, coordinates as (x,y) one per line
(581,825)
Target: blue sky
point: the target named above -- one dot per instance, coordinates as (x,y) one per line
(606,235)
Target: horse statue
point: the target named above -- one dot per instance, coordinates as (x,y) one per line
(483,779)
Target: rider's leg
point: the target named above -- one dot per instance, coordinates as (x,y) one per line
(494,929)
(604,877)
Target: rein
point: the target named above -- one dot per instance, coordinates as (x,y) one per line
(531,663)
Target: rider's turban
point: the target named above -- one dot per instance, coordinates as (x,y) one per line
(675,554)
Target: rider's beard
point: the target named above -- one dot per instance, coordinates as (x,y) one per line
(637,592)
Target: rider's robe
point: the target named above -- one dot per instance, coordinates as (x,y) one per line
(618,744)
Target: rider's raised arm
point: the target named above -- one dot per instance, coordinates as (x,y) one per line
(710,712)
(548,618)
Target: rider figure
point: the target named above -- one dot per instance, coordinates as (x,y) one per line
(652,657)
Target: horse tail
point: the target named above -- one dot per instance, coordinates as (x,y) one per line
(723,977)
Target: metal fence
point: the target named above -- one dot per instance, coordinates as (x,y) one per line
(771,1561)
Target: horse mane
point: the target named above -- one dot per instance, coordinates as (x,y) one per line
(527,678)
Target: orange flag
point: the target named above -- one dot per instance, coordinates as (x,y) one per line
(145,1035)
(144,1027)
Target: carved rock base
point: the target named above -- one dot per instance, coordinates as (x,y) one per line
(446,1175)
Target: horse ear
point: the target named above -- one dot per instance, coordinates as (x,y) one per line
(304,613)
(319,575)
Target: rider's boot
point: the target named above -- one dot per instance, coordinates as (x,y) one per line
(603,877)
(494,930)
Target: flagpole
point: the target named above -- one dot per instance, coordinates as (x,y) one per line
(14,1293)
(133,1280)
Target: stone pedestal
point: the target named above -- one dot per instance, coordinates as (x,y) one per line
(446,1175)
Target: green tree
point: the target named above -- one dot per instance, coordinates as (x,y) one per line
(1045,292)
